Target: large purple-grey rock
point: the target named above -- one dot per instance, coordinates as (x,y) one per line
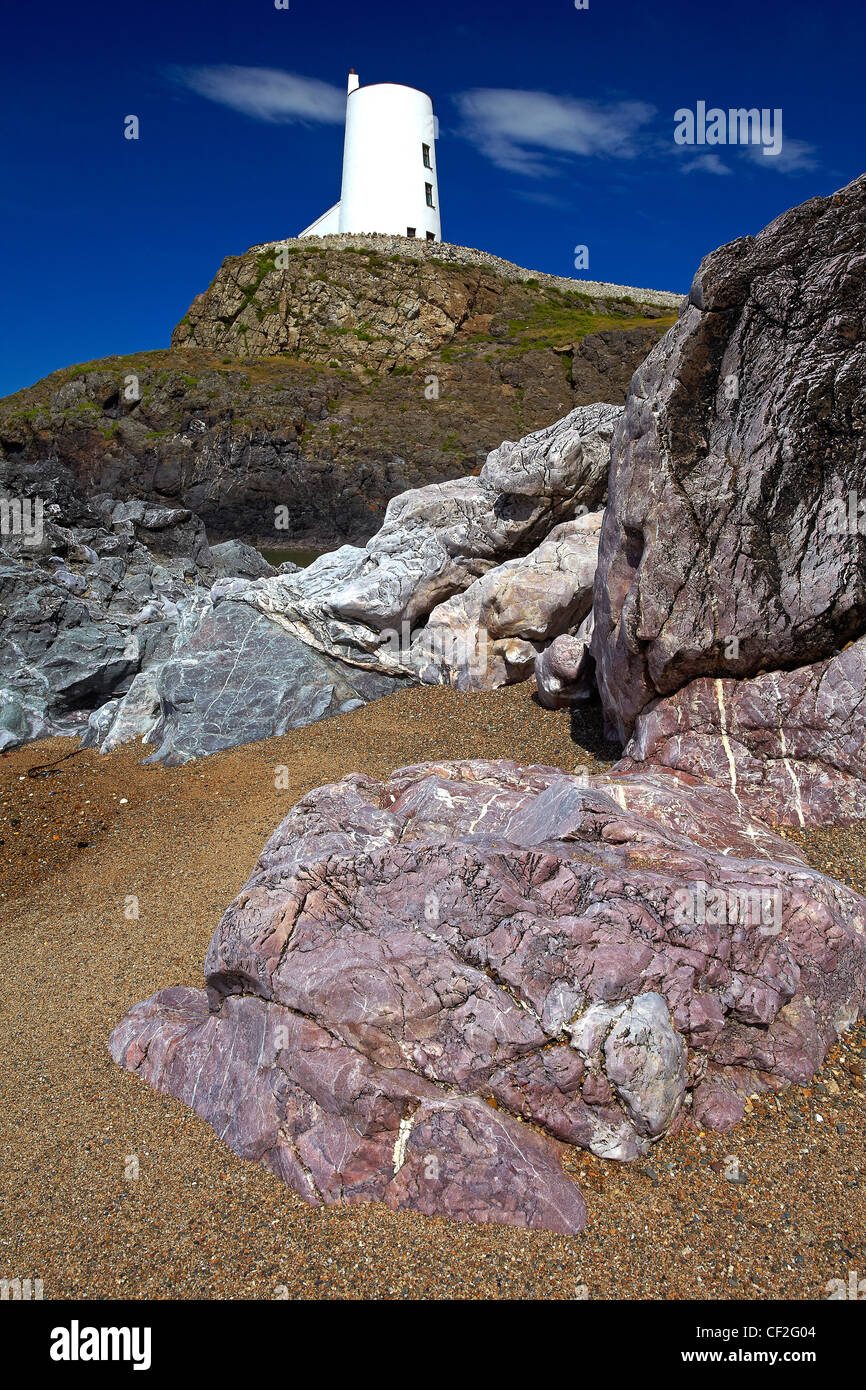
(595,956)
(790,744)
(734,538)
(288,1093)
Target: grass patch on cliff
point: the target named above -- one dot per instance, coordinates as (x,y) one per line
(557,323)
(37,405)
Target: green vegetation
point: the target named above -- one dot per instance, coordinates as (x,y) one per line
(568,317)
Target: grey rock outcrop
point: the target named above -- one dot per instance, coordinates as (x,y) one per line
(491,634)
(112,627)
(363,605)
(134,625)
(232,677)
(89,605)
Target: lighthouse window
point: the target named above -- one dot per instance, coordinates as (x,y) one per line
(426,152)
(431,236)
(410,231)
(429,191)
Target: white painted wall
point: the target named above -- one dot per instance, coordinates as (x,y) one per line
(326,225)
(384,175)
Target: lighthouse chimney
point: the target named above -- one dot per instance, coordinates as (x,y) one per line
(354,80)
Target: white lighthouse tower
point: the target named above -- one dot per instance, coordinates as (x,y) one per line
(389,165)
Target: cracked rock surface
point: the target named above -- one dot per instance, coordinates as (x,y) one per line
(428,985)
(792,743)
(734,539)
(492,633)
(232,676)
(565,671)
(364,605)
(93,597)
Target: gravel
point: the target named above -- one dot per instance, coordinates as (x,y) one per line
(114,877)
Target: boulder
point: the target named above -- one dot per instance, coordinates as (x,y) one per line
(492,633)
(233,677)
(591,956)
(790,745)
(237,560)
(557,469)
(565,671)
(169,532)
(734,539)
(364,605)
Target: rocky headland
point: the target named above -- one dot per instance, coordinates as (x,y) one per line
(439,981)
(330,383)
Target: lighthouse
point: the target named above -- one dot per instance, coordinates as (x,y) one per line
(389,165)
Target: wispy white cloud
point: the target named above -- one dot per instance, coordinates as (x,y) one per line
(795,157)
(535,133)
(706,164)
(267,94)
(541,197)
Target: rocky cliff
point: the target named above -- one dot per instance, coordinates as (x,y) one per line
(353,305)
(328,387)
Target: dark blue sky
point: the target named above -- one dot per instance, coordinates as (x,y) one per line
(556,129)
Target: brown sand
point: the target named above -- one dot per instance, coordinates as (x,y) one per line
(197,1222)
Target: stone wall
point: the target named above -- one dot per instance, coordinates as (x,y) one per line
(467,255)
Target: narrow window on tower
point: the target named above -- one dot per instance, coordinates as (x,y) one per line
(429,190)
(425,149)
(431,236)
(410,231)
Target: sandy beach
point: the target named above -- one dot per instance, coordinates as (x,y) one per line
(110,1190)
